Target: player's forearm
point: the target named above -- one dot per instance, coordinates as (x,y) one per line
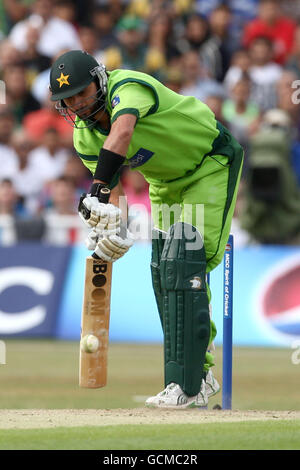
(116,193)
(115,148)
(118,142)
(118,146)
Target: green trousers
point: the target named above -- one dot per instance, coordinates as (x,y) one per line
(205,197)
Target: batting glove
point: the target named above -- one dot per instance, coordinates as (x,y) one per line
(104,218)
(92,240)
(112,247)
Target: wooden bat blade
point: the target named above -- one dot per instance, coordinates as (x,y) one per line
(95,321)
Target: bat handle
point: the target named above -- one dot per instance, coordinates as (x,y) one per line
(104,198)
(104,195)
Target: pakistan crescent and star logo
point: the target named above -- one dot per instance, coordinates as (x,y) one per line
(63,80)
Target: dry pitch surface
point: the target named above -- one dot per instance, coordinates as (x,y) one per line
(36,419)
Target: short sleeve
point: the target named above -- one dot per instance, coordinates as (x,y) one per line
(132,98)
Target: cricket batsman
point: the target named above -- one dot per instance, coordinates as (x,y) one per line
(193,167)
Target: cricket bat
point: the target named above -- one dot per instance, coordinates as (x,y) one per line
(95,319)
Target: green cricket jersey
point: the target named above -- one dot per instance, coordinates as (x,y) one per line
(172,134)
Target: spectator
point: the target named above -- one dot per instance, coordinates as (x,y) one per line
(130,54)
(286,102)
(271,23)
(8,158)
(18,96)
(16,224)
(196,34)
(195,79)
(141,8)
(173,78)
(219,61)
(27,182)
(78,174)
(197,37)
(161,37)
(166,7)
(40,85)
(289,105)
(246,9)
(12,11)
(205,7)
(243,11)
(264,73)
(215,103)
(182,7)
(103,21)
(49,159)
(55,34)
(118,8)
(33,61)
(62,197)
(293,62)
(9,55)
(62,223)
(66,11)
(8,207)
(90,43)
(161,46)
(147,9)
(155,63)
(292,8)
(241,114)
(37,123)
(240,64)
(84,11)
(9,199)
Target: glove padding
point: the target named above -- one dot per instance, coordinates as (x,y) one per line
(104,218)
(92,240)
(109,247)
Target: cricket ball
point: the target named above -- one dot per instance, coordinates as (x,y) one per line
(89,343)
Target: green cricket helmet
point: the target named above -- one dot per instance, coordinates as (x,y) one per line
(70,74)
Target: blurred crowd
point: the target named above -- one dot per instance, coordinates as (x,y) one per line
(241,57)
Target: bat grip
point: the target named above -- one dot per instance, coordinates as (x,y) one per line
(104,198)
